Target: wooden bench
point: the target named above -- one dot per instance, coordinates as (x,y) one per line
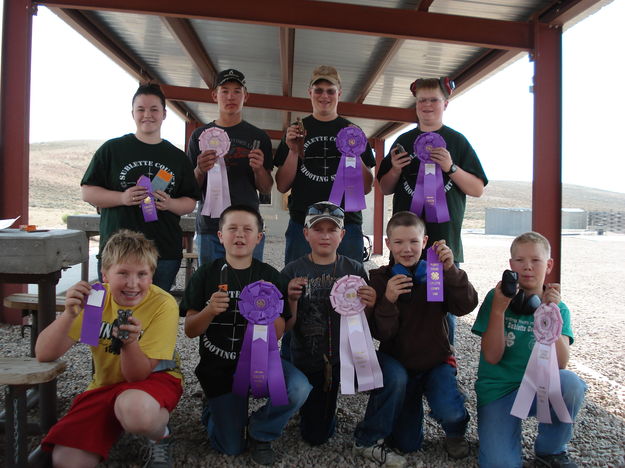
(19,374)
(29,305)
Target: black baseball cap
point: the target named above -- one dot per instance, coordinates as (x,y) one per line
(230,75)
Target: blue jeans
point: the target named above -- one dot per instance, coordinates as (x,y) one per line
(500,432)
(225,416)
(210,248)
(164,276)
(351,246)
(395,411)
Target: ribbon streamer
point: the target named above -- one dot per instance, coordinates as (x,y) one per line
(217,197)
(92,316)
(542,375)
(351,142)
(429,191)
(356,347)
(434,277)
(260,366)
(148,206)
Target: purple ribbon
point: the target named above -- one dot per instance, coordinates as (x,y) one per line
(356,345)
(429,191)
(92,315)
(542,375)
(260,366)
(351,142)
(148,206)
(434,276)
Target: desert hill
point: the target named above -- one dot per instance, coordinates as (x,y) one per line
(57,167)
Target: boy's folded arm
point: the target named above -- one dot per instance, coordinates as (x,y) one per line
(562,351)
(460,295)
(385,319)
(135,365)
(279,325)
(53,342)
(197,321)
(493,339)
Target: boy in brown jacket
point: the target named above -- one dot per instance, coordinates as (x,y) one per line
(415,354)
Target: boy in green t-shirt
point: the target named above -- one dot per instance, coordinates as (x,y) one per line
(506,327)
(212,314)
(136,381)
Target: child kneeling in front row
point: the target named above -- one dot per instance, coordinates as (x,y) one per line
(506,327)
(316,326)
(415,354)
(136,385)
(213,315)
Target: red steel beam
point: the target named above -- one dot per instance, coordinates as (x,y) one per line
(14,124)
(379,69)
(183,32)
(329,16)
(295,104)
(566,11)
(378,200)
(547,182)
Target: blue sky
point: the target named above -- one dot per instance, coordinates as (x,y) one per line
(79,93)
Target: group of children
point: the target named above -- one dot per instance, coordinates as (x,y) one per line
(137,389)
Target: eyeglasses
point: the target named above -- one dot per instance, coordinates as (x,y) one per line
(328,91)
(432,100)
(326,208)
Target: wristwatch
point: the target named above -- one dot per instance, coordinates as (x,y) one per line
(453,168)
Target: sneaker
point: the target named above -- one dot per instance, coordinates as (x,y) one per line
(560,460)
(158,454)
(457,447)
(261,452)
(381,454)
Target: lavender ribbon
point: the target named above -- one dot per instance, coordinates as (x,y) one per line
(259,366)
(542,375)
(356,345)
(429,191)
(434,277)
(148,206)
(92,315)
(351,142)
(217,197)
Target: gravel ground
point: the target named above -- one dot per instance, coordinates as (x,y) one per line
(591,277)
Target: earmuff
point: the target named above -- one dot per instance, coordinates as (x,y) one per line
(524,305)
(446,84)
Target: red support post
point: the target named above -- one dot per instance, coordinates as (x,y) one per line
(378,200)
(547,184)
(189,128)
(14,122)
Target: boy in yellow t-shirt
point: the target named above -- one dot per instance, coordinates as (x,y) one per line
(136,382)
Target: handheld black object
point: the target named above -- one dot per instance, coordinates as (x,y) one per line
(399,148)
(122,316)
(399,269)
(509,281)
(223,278)
(523,304)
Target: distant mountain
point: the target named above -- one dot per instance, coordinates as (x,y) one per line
(57,167)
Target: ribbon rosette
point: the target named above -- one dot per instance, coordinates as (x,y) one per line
(351,142)
(259,365)
(217,196)
(429,191)
(356,348)
(542,375)
(148,206)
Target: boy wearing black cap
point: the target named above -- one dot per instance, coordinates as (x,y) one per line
(307,161)
(248,161)
(315,324)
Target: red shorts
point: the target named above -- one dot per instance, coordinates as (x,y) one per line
(91,425)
